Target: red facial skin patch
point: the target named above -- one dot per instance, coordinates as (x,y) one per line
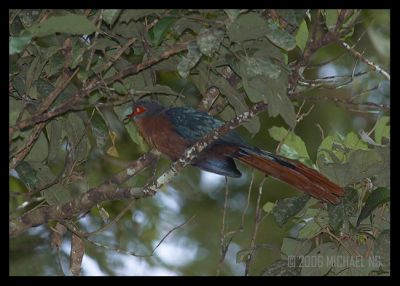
(138,110)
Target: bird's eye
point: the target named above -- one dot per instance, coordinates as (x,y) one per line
(139,110)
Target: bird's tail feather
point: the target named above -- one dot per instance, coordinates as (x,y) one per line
(293,173)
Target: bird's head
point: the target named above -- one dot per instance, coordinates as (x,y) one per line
(144,108)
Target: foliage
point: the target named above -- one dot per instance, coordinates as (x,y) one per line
(72,77)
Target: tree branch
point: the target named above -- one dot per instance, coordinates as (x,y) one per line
(67,105)
(107,191)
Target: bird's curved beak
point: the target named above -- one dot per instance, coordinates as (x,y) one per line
(128,117)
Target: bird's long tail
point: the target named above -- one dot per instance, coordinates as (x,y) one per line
(292,172)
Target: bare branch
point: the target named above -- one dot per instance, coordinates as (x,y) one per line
(107,192)
(365,60)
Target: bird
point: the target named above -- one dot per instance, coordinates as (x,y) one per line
(171,130)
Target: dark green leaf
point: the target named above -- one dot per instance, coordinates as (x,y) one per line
(75,129)
(54,132)
(232,14)
(120,88)
(324,251)
(71,24)
(185,24)
(27,174)
(287,208)
(283,268)
(382,249)
(209,40)
(236,100)
(110,15)
(161,89)
(247,27)
(344,210)
(280,37)
(331,16)
(39,150)
(15,108)
(44,88)
(295,247)
(135,14)
(188,62)
(272,91)
(378,197)
(34,72)
(56,195)
(159,30)
(361,164)
(292,16)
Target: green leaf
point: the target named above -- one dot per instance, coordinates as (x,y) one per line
(292,16)
(184,24)
(302,36)
(295,247)
(161,89)
(27,174)
(291,140)
(39,150)
(188,62)
(320,256)
(120,88)
(288,207)
(271,91)
(382,129)
(15,108)
(361,164)
(135,14)
(247,27)
(33,73)
(261,66)
(341,212)
(17,44)
(159,30)
(268,206)
(136,137)
(76,132)
(110,15)
(353,141)
(378,197)
(346,264)
(209,40)
(232,14)
(331,16)
(236,100)
(283,268)
(382,249)
(71,24)
(56,195)
(280,37)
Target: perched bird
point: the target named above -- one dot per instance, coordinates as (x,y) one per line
(172,130)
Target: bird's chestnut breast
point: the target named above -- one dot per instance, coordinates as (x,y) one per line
(158,132)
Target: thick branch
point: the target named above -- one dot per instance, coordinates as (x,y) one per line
(106,191)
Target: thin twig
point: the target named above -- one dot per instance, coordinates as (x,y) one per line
(257,220)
